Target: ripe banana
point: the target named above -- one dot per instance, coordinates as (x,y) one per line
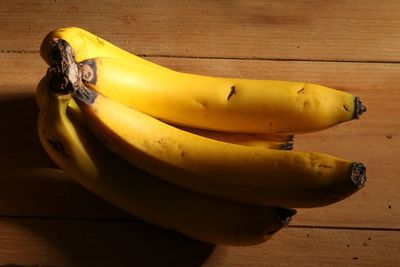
(258,105)
(206,218)
(241,173)
(266,141)
(284,142)
(87,45)
(222,104)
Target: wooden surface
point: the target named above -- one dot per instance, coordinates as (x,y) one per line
(46,219)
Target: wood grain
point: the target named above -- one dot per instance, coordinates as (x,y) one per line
(315,247)
(46,219)
(28,191)
(44,242)
(35,242)
(344,30)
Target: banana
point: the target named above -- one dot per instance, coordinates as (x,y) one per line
(265,141)
(259,176)
(279,107)
(241,173)
(221,104)
(87,45)
(78,153)
(41,93)
(284,142)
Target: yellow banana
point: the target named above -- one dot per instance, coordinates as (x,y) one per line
(206,218)
(341,106)
(266,141)
(222,104)
(87,45)
(284,142)
(241,173)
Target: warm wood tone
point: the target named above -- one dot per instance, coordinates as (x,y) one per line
(311,30)
(315,247)
(61,243)
(40,242)
(46,219)
(377,205)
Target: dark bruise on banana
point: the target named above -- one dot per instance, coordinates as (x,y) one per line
(58,146)
(231,92)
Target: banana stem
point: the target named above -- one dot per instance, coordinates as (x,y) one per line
(360,108)
(285,215)
(358,174)
(64,74)
(287,146)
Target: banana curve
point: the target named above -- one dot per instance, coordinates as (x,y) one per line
(214,220)
(258,176)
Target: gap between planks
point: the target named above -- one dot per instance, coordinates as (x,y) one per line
(136,220)
(230,58)
(76,243)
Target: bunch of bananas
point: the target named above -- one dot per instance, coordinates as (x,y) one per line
(208,157)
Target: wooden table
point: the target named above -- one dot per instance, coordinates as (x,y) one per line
(46,219)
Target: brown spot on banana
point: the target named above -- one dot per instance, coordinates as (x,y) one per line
(58,146)
(301,91)
(305,104)
(325,166)
(231,92)
(287,146)
(100,41)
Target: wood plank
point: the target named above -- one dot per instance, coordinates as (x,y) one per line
(372,140)
(29,191)
(33,242)
(26,242)
(363,30)
(315,247)
(49,192)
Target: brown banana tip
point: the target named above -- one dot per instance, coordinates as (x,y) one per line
(285,215)
(358,174)
(287,146)
(359,108)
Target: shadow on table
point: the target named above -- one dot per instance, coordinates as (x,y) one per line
(19,140)
(118,239)
(111,243)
